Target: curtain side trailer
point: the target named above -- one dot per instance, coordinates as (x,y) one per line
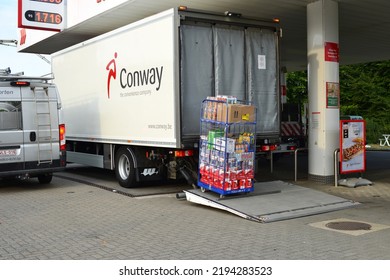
(132,96)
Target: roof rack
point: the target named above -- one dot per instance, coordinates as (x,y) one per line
(15,78)
(6,71)
(5,75)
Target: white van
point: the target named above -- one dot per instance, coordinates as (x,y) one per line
(32,131)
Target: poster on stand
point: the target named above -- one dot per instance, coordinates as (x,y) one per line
(352,146)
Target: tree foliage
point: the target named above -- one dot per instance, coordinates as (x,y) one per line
(297,87)
(364,91)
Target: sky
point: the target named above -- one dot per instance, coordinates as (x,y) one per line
(30,64)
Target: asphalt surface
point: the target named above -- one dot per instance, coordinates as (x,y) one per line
(84,215)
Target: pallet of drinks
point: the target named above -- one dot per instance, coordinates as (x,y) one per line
(227,145)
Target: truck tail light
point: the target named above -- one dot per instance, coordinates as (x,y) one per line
(273,147)
(184,153)
(267,148)
(62,137)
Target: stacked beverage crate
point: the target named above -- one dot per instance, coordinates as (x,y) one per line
(227,145)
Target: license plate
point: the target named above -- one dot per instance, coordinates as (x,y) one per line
(8,152)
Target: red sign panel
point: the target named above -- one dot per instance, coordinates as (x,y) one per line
(352,146)
(331,52)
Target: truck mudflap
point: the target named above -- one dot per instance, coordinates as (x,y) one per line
(145,174)
(272,201)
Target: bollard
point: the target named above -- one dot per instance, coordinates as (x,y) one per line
(336,169)
(296,162)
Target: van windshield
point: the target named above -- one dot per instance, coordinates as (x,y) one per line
(10,115)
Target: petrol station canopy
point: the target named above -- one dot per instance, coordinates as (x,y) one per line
(364,26)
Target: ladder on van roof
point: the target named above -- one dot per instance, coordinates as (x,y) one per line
(44,127)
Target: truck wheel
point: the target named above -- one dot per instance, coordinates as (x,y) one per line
(45,178)
(124,168)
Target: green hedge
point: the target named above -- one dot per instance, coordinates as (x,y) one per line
(374,130)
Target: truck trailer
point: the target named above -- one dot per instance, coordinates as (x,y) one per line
(132,96)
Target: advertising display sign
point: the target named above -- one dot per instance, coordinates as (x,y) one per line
(41,14)
(352,146)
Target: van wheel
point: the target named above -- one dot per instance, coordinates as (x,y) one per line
(124,168)
(45,178)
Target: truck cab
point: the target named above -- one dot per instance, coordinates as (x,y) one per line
(32,131)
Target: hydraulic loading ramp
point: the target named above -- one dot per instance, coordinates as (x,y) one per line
(272,201)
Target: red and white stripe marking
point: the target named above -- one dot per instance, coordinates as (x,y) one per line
(290,129)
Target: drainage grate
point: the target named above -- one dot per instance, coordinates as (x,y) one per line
(348,226)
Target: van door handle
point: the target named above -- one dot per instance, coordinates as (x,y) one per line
(33,136)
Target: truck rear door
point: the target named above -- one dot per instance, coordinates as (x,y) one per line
(219,59)
(11,129)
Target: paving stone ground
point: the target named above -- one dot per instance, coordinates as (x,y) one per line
(68,220)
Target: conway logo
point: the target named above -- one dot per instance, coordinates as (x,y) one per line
(139,78)
(111,68)
(133,79)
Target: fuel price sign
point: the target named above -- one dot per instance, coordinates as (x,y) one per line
(41,14)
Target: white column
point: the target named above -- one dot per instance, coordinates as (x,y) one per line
(323,88)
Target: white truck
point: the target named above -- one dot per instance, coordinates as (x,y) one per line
(32,131)
(132,96)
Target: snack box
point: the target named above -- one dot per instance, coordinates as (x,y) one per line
(229,113)
(225,144)
(217,133)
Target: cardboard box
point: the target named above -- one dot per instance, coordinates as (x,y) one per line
(232,113)
(248,113)
(229,113)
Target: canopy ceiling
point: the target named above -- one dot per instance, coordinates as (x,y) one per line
(364,26)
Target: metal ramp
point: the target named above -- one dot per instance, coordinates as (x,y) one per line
(273,201)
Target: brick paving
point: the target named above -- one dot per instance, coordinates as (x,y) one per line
(68,220)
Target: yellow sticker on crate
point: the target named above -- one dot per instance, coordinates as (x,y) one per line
(247,113)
